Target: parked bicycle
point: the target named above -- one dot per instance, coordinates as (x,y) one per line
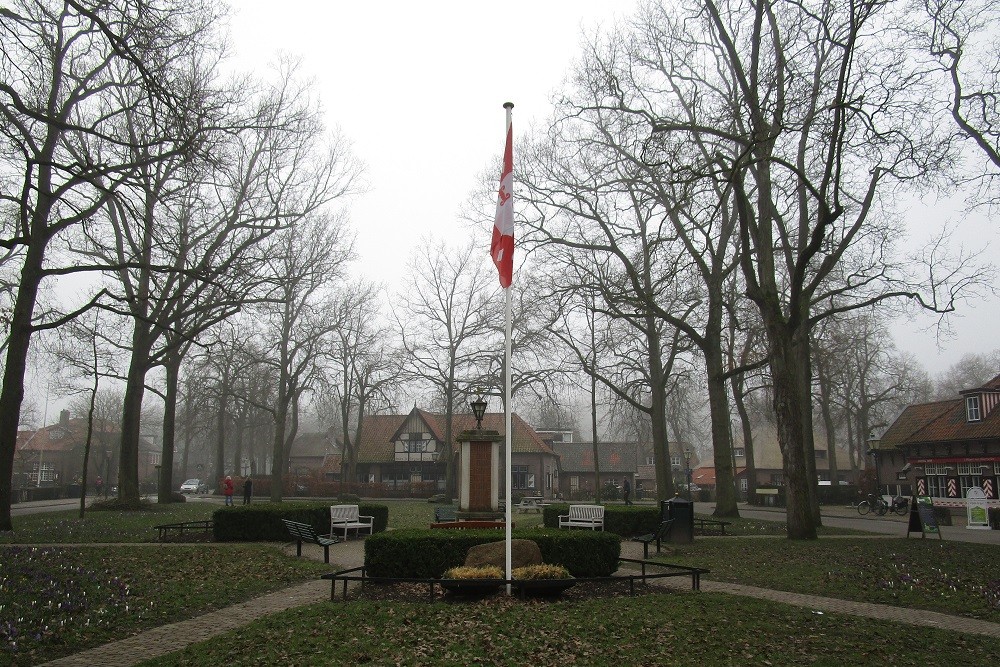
(881,506)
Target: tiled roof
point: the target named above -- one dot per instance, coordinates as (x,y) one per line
(378,431)
(614,457)
(706,476)
(941,421)
(313,444)
(70,435)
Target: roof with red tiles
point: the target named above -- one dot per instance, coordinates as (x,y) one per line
(706,476)
(379,432)
(943,421)
(66,436)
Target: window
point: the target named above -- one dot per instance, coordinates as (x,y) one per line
(777,479)
(972,408)
(522,479)
(821,454)
(675,460)
(415,446)
(650,461)
(743,484)
(739,451)
(44,473)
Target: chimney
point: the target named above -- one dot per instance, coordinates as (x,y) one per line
(64,417)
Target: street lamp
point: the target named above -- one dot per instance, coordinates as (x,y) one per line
(687,469)
(479,410)
(873,452)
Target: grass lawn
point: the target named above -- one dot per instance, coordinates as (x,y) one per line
(67,527)
(56,600)
(59,600)
(661,629)
(949,577)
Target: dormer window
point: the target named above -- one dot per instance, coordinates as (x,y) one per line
(972,411)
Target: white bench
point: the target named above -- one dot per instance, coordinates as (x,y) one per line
(346,517)
(583,516)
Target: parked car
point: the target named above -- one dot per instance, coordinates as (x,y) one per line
(192,486)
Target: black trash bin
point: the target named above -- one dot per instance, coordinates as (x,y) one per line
(682,512)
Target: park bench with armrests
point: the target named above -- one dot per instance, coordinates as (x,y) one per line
(303,532)
(659,535)
(583,516)
(346,518)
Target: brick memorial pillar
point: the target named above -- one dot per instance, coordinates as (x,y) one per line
(479,468)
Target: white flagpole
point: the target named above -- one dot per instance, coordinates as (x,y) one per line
(506,401)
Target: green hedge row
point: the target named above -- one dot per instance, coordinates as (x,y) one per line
(622,520)
(261,522)
(428,553)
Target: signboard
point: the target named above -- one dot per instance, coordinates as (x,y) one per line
(989,488)
(767,492)
(921,486)
(951,486)
(922,518)
(975,503)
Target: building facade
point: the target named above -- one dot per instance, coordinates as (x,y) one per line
(407,454)
(944,448)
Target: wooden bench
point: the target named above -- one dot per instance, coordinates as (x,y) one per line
(711,525)
(346,518)
(180,528)
(659,535)
(583,516)
(303,532)
(444,514)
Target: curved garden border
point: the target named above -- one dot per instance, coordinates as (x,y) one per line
(358,574)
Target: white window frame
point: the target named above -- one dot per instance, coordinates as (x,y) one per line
(973,413)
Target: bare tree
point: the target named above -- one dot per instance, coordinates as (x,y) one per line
(362,370)
(812,126)
(306,262)
(64,69)
(962,37)
(444,318)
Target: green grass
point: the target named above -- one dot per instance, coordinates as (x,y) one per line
(949,577)
(660,629)
(102,526)
(63,600)
(55,600)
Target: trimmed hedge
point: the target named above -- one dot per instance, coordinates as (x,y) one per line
(261,522)
(622,520)
(427,553)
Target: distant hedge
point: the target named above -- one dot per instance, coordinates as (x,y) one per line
(427,553)
(261,522)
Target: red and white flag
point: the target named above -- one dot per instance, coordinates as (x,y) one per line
(502,248)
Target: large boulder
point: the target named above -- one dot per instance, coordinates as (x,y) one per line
(522,553)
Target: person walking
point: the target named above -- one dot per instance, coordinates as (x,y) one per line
(627,488)
(247,490)
(227,490)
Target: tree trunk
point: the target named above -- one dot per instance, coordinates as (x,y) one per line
(12,394)
(135,388)
(788,409)
(166,482)
(741,409)
(658,417)
(718,403)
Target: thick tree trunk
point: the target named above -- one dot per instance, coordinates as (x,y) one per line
(786,377)
(166,482)
(135,388)
(15,365)
(658,417)
(718,404)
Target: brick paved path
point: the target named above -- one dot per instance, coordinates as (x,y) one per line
(173,637)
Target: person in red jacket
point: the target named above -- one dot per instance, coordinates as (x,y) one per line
(227,489)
